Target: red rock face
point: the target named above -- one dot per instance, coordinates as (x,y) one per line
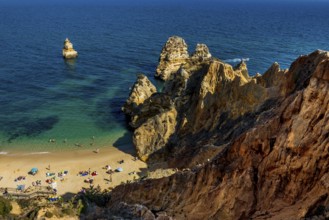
(269,163)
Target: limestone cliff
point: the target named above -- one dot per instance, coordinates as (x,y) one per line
(141,91)
(201,52)
(174,53)
(266,138)
(144,139)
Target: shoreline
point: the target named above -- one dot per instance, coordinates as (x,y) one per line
(13,165)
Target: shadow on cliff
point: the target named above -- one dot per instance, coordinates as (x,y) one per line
(191,149)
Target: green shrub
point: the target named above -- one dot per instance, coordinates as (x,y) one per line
(33,214)
(80,207)
(49,214)
(68,211)
(5,206)
(24,203)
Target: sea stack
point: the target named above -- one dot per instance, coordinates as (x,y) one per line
(68,51)
(174,54)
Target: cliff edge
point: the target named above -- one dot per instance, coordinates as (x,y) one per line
(246,147)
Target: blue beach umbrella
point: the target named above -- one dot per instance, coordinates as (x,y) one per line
(20,187)
(34,170)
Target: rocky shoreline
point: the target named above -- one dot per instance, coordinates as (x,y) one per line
(255,146)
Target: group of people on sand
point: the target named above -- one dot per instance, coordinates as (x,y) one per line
(20,178)
(51,180)
(90,175)
(89,180)
(36,183)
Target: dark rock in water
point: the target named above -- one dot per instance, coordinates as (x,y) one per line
(30,127)
(107,111)
(257,147)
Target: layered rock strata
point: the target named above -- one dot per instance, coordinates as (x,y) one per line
(201,52)
(174,53)
(256,147)
(68,51)
(140,91)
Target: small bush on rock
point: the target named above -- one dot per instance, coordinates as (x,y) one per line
(5,206)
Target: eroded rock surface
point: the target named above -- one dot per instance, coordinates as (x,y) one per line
(141,91)
(201,52)
(146,142)
(256,147)
(173,55)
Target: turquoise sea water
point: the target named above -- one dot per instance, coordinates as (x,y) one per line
(79,102)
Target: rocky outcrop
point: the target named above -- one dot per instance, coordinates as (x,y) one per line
(68,51)
(203,94)
(141,91)
(173,55)
(144,139)
(149,112)
(256,147)
(201,52)
(222,90)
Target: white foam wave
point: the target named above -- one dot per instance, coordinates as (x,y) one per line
(3,153)
(237,60)
(34,153)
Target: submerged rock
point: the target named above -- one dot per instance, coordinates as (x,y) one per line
(68,51)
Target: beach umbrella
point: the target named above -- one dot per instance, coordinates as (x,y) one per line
(34,170)
(21,187)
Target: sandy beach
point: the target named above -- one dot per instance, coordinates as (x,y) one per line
(19,164)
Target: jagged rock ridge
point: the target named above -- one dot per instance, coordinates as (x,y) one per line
(174,54)
(267,138)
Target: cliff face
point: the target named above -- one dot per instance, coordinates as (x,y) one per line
(199,96)
(256,147)
(141,91)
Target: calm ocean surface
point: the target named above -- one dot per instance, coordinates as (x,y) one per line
(43,97)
